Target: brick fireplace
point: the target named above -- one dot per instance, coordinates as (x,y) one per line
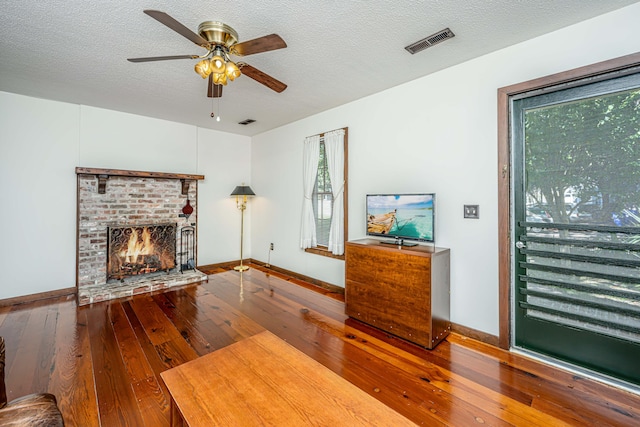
(137,232)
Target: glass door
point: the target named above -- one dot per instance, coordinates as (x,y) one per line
(576,225)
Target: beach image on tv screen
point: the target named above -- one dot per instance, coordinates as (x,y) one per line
(405,215)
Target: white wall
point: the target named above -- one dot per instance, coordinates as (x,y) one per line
(437,133)
(38,153)
(111,139)
(41,144)
(225,161)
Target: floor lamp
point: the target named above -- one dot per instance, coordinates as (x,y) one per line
(241,192)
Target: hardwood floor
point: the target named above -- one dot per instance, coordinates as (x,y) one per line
(103,361)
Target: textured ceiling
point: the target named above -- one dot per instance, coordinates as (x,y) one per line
(338,51)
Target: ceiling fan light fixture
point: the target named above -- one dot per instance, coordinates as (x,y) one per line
(220,79)
(220,40)
(217,64)
(203,68)
(232,71)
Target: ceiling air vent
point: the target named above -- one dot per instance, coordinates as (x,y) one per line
(246,122)
(433,39)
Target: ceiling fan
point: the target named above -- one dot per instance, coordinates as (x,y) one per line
(221,41)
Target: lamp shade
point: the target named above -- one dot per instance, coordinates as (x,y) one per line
(232,71)
(203,68)
(243,190)
(217,64)
(220,78)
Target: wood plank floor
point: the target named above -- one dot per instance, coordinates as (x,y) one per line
(103,361)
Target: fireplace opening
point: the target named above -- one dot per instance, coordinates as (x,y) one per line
(140,250)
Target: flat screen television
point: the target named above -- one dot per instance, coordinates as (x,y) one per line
(402,216)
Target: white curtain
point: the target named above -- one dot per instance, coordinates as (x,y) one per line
(334,149)
(311,152)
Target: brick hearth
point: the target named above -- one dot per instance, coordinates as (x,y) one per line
(119,198)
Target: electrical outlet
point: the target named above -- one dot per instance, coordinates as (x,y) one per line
(271,246)
(472,211)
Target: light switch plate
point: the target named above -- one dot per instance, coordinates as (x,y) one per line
(472,211)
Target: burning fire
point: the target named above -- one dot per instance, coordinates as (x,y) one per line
(140,250)
(137,247)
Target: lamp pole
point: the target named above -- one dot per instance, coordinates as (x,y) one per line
(242,206)
(242,191)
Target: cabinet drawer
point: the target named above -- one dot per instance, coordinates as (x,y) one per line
(390,311)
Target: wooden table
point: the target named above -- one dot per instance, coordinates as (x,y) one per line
(262,380)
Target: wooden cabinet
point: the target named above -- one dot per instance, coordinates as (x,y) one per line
(404,292)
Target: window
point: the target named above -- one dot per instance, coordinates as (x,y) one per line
(324,216)
(322,199)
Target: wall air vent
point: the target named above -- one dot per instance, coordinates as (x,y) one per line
(246,122)
(433,39)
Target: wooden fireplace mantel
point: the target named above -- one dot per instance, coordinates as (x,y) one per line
(104,174)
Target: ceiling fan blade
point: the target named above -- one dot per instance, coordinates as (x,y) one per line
(261,77)
(162,58)
(213,90)
(176,26)
(261,44)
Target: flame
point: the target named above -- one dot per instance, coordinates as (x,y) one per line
(137,247)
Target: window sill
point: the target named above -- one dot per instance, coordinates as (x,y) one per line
(323,251)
